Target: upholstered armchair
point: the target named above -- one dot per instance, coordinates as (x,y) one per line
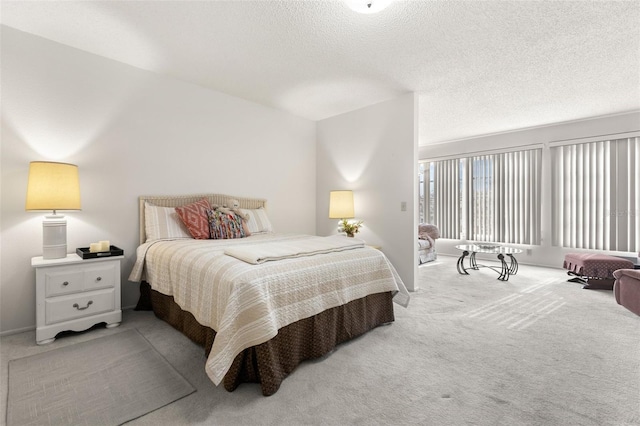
(627,289)
(427,236)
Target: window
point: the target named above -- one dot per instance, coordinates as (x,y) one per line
(595,195)
(442,200)
(492,197)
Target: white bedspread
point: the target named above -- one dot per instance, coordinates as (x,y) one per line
(260,253)
(246,304)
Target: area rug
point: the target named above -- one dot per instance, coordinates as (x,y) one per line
(105,381)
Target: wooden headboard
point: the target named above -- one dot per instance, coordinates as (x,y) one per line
(181,200)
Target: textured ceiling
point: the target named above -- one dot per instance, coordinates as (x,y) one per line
(479,67)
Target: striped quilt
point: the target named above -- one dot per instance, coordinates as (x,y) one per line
(246,304)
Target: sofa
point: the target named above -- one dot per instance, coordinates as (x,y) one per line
(627,289)
(427,236)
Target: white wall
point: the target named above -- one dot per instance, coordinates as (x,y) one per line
(545,254)
(131,133)
(373,151)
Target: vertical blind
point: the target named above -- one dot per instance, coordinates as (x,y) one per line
(493,197)
(505,197)
(443,196)
(595,195)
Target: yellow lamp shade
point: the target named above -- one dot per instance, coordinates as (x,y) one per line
(341,205)
(53,186)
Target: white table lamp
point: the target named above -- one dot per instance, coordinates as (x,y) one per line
(53,186)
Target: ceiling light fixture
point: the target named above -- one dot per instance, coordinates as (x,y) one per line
(367,6)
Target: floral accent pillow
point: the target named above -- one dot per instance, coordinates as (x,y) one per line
(195,218)
(244,219)
(225,224)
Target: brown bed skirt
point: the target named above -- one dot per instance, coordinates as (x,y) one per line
(271,362)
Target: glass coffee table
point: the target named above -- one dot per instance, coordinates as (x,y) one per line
(505,269)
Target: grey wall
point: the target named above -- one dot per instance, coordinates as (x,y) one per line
(373,151)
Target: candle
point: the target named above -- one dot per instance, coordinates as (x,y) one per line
(105,246)
(95,247)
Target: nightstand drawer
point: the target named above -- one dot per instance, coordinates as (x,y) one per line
(102,276)
(63,281)
(59,281)
(64,308)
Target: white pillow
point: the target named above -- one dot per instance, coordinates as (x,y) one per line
(258,220)
(163,223)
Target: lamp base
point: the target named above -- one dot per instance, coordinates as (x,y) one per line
(54,237)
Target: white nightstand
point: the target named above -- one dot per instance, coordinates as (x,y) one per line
(74,294)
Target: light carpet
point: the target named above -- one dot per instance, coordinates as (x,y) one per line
(469,350)
(104,381)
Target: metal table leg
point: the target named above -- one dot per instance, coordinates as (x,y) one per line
(504,272)
(472,261)
(460,265)
(513,266)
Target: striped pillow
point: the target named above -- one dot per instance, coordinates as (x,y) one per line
(163,223)
(258,221)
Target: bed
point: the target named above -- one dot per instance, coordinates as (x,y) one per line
(259,317)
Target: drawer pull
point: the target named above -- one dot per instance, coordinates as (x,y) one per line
(75,305)
(99,279)
(65,283)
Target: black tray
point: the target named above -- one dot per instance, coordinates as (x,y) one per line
(84,252)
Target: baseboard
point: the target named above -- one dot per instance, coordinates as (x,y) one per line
(33,327)
(17,330)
